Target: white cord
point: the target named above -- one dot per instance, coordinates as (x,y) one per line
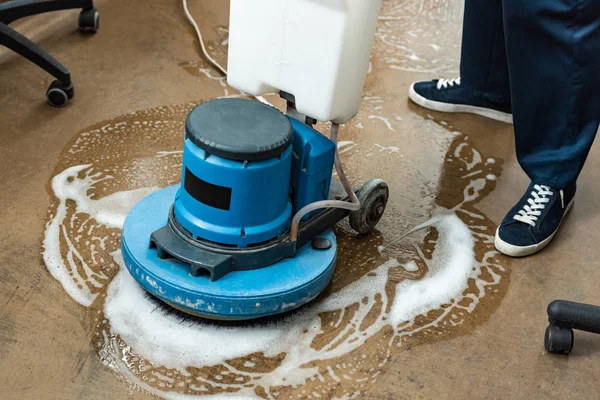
(205,52)
(199,34)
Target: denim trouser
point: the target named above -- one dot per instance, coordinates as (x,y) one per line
(543,57)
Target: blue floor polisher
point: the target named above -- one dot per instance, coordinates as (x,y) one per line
(247,234)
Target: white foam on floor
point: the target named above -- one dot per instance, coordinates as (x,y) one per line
(385,121)
(110,211)
(449,270)
(345,145)
(410,266)
(163,340)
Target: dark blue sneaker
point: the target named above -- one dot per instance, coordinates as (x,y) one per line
(533,222)
(447,95)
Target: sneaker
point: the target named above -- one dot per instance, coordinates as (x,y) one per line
(533,222)
(447,95)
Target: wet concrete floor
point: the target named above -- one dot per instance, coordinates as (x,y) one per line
(135,81)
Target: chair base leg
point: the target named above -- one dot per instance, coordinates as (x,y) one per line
(61,90)
(26,48)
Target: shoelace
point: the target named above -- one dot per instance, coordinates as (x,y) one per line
(537,202)
(444,83)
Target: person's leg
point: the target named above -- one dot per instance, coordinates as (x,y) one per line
(483,63)
(553,49)
(483,87)
(554,63)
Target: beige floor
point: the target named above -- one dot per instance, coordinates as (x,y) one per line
(146,56)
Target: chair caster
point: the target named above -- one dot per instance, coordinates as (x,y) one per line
(559,340)
(564,316)
(89,20)
(58,94)
(373,197)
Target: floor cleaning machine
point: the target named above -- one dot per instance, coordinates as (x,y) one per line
(248,232)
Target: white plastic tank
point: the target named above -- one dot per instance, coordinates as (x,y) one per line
(317,50)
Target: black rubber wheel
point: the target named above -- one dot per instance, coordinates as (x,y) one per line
(559,340)
(89,20)
(373,198)
(58,94)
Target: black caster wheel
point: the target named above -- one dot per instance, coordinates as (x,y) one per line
(373,198)
(58,94)
(89,20)
(559,340)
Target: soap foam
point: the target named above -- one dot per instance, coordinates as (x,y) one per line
(385,121)
(449,270)
(345,145)
(110,211)
(163,340)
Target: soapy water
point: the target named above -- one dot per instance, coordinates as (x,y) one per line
(420,36)
(401,290)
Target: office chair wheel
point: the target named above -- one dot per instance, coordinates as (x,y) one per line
(89,20)
(58,94)
(559,340)
(373,198)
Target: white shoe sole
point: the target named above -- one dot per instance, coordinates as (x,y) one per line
(458,108)
(524,251)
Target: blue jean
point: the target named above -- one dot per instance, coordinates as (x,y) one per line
(543,58)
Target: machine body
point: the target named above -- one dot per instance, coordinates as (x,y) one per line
(219,244)
(248,233)
(237,162)
(312,164)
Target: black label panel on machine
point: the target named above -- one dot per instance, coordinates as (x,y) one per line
(207,193)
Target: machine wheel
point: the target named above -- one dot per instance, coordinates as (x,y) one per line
(559,340)
(89,20)
(373,198)
(58,94)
